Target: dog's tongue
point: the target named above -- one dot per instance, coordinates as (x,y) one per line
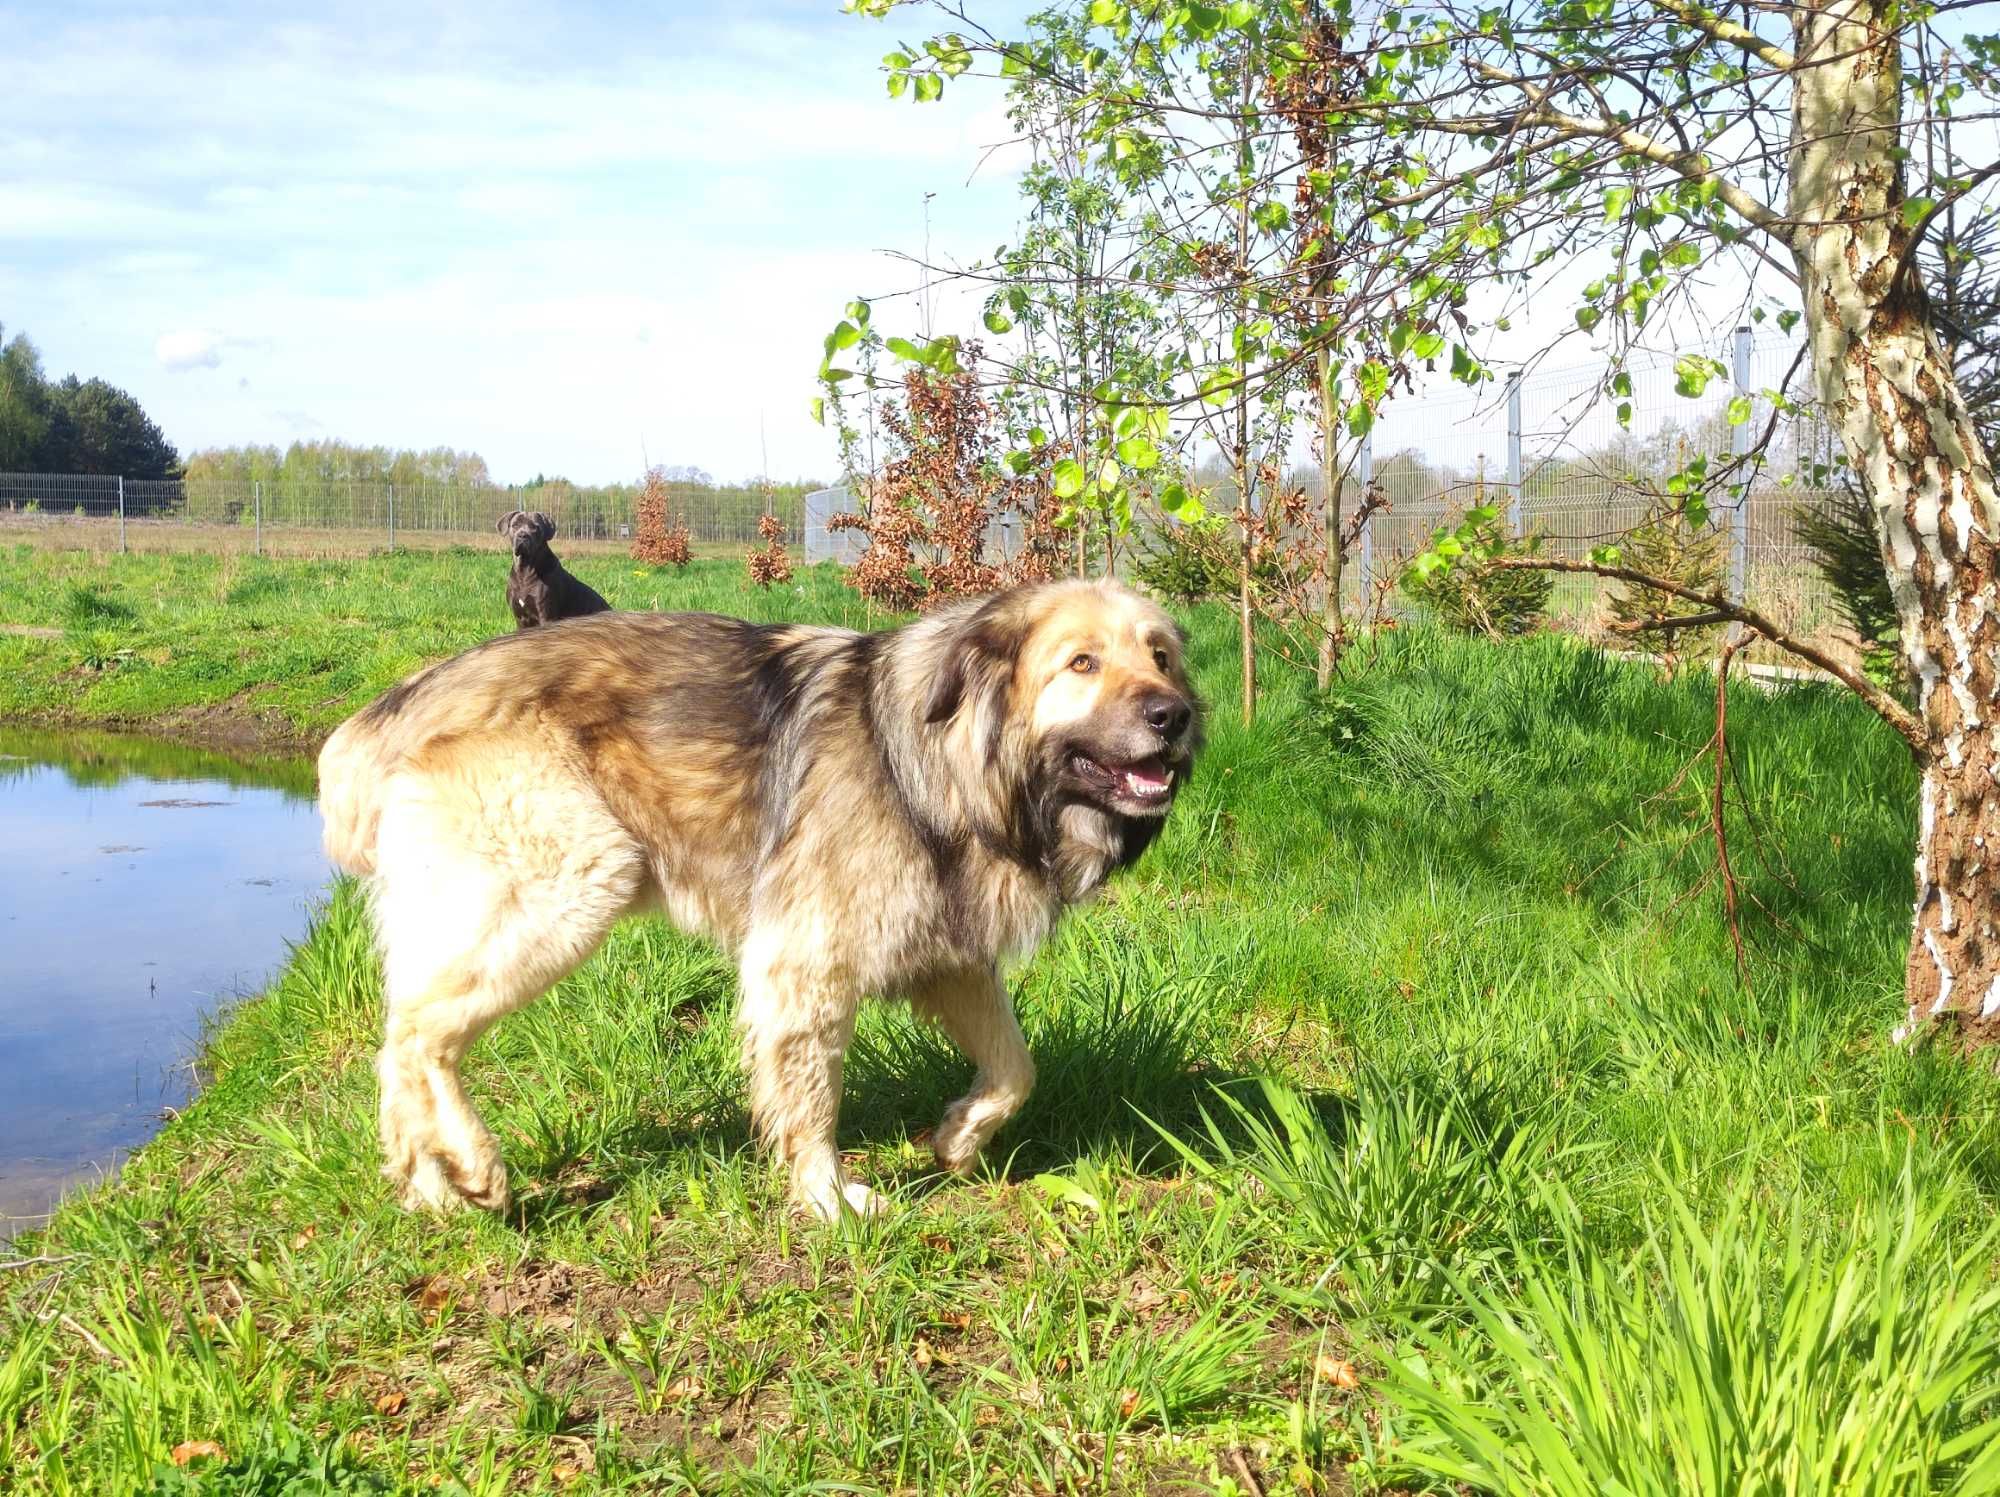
(1149,778)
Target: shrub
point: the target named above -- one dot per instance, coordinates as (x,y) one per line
(772,564)
(929,507)
(1187,562)
(1666,546)
(1476,595)
(659,538)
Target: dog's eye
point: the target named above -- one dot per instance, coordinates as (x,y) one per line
(1083,664)
(1160,659)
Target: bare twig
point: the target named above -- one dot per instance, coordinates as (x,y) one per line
(1681,621)
(1243,1472)
(1906,723)
(13,1263)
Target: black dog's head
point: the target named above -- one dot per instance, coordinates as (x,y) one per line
(529,531)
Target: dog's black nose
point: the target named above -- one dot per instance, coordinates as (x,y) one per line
(1166,715)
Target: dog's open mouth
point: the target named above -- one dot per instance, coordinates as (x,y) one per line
(1145,781)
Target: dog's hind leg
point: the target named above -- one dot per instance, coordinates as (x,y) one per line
(797,1021)
(975,1010)
(476,919)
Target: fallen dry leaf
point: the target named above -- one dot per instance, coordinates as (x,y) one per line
(921,1354)
(937,1242)
(1128,1403)
(987,1416)
(681,1388)
(433,1293)
(304,1237)
(961,1322)
(198,1450)
(1144,1298)
(1331,1369)
(392,1402)
(565,1473)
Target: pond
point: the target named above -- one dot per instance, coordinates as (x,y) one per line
(147,884)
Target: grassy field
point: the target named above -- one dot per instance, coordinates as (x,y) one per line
(1403,1123)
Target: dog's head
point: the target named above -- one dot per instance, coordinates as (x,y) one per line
(1080,689)
(528,531)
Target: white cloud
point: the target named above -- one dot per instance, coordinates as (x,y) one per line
(188,348)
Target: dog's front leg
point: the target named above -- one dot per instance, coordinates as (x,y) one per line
(974,1009)
(797,1021)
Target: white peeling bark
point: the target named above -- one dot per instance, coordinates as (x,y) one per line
(1887,385)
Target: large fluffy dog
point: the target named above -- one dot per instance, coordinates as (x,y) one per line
(848,813)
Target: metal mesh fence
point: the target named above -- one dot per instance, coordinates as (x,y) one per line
(335,516)
(1551,451)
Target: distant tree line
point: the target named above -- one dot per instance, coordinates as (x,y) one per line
(73,425)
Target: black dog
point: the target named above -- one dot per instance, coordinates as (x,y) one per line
(538,589)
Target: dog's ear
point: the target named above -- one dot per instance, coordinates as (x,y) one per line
(978,654)
(507,521)
(544,526)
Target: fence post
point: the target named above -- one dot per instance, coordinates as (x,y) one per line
(1514,453)
(1364,470)
(1739,448)
(257,510)
(392,517)
(121,513)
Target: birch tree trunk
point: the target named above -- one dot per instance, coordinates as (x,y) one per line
(1888,388)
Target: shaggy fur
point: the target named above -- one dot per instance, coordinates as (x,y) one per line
(848,814)
(539,589)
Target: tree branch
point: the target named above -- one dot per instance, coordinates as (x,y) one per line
(1906,723)
(1730,32)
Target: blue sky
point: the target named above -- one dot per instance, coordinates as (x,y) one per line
(555,235)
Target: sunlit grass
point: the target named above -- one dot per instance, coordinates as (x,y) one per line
(1402,1122)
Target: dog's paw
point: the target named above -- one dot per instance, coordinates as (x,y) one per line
(422,1185)
(956,1141)
(837,1198)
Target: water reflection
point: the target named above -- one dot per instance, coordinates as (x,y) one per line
(146,884)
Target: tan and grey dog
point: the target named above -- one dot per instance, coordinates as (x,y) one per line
(849,814)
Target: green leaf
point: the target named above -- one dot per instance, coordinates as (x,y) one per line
(857,310)
(930,86)
(1173,497)
(818,410)
(1139,453)
(1914,210)
(1604,556)
(844,335)
(1696,510)
(1360,419)
(1427,345)
(1616,200)
(997,321)
(1067,478)
(1240,15)
(897,83)
(1739,410)
(905,350)
(1107,474)
(1106,12)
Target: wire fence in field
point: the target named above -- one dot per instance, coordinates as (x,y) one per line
(1550,449)
(1548,446)
(337,516)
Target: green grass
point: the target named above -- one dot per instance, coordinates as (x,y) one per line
(283,649)
(1407,1048)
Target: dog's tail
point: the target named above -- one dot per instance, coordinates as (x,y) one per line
(353,767)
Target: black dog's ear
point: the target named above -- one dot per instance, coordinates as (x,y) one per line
(984,647)
(507,521)
(544,526)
